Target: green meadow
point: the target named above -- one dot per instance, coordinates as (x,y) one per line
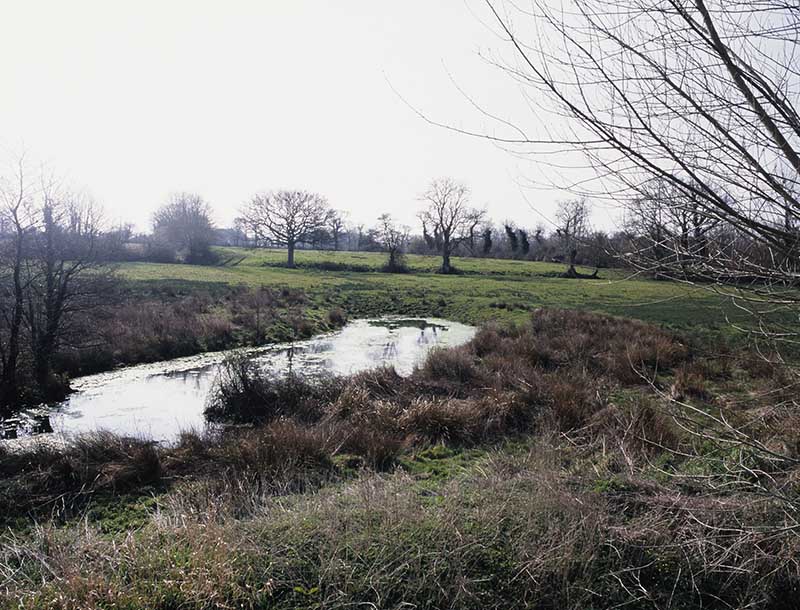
(483,290)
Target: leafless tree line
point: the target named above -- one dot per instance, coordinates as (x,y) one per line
(50,270)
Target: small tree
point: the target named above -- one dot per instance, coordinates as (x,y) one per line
(337,222)
(393,239)
(64,276)
(184,225)
(487,241)
(524,244)
(286,217)
(572,218)
(513,243)
(50,273)
(17,225)
(449,216)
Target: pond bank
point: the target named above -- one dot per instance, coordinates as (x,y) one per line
(160,400)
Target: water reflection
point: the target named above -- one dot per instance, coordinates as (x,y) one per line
(26,424)
(160,400)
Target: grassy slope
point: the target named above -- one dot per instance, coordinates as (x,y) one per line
(487,289)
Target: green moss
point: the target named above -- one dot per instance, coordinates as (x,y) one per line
(438,464)
(115,514)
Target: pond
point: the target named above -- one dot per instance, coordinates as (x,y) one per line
(162,399)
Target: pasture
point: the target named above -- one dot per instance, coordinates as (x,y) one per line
(484,290)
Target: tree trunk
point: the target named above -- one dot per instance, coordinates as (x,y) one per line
(574,274)
(573,254)
(8,384)
(290,247)
(446,260)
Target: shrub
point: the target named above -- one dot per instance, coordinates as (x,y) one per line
(396,265)
(454,364)
(486,341)
(303,328)
(442,420)
(337,317)
(243,393)
(689,382)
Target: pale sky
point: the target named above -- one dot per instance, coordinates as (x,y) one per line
(134,100)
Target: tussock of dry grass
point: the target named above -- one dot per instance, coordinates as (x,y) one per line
(450,365)
(244,394)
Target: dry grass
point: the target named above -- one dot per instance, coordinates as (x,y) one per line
(689,383)
(450,365)
(162,323)
(56,480)
(601,496)
(519,532)
(554,371)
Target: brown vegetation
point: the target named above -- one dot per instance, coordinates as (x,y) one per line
(556,370)
(147,325)
(609,498)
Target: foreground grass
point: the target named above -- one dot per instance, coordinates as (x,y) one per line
(530,468)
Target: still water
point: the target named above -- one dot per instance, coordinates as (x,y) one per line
(160,400)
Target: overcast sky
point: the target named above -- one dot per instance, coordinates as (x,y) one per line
(134,100)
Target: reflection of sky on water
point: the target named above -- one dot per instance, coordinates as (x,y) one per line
(363,345)
(159,400)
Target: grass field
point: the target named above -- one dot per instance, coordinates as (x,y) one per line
(533,467)
(486,289)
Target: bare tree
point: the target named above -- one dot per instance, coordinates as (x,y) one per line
(669,229)
(393,239)
(524,244)
(572,228)
(286,217)
(702,95)
(15,194)
(64,274)
(450,217)
(50,274)
(184,224)
(337,221)
(511,237)
(699,101)
(486,234)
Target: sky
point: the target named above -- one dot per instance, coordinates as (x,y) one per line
(135,100)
